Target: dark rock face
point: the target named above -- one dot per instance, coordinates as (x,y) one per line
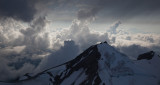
(88,61)
(148,55)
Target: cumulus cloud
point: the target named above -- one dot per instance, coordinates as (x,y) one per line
(34,37)
(138,38)
(22,48)
(82,34)
(133,44)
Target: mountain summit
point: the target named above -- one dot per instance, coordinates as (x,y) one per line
(100,64)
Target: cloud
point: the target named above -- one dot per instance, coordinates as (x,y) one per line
(138,38)
(67,52)
(119,9)
(133,50)
(128,8)
(82,34)
(24,10)
(22,49)
(87,13)
(113,27)
(9,73)
(18,9)
(27,10)
(35,37)
(133,44)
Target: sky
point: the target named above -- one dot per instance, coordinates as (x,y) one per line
(37,34)
(143,15)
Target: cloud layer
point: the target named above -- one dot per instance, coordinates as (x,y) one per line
(26,10)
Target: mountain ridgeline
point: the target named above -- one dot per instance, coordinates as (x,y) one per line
(100,64)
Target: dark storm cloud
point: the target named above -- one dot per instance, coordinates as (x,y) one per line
(87,13)
(18,9)
(120,8)
(25,10)
(132,7)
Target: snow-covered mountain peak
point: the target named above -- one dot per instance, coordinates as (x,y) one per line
(111,55)
(100,64)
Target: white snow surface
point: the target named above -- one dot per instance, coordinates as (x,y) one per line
(116,68)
